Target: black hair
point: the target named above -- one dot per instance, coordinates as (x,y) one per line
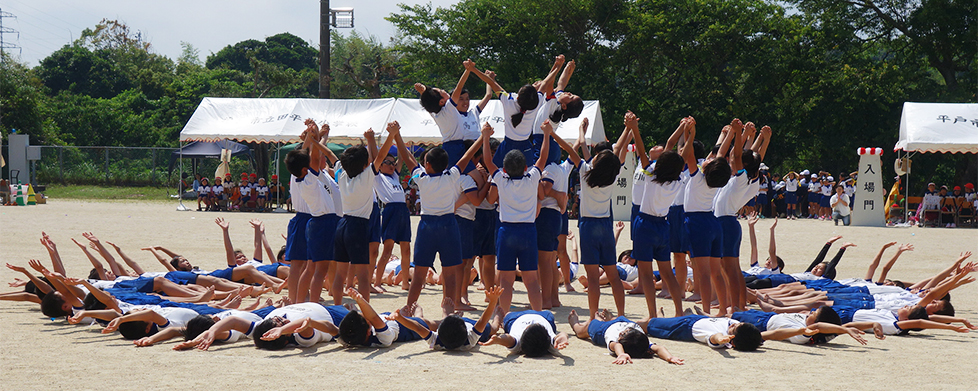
(899,283)
(281,253)
(601,146)
(438,159)
(535,341)
(825,314)
(527,99)
(31,288)
(947,297)
(452,332)
(461,92)
(635,343)
(91,303)
(780,264)
(136,330)
(623,254)
(468,144)
(353,329)
(699,150)
(514,164)
(260,330)
(746,338)
(51,306)
(431,100)
(947,309)
(573,110)
(198,325)
(751,161)
(668,167)
(93,274)
(296,160)
(605,167)
(717,172)
(918,312)
(354,159)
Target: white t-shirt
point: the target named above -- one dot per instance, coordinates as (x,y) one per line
(884,317)
(843,210)
(314,194)
(789,321)
(791,185)
(388,188)
(558,175)
(245,190)
(827,190)
(524,321)
(703,329)
(684,180)
(547,107)
(203,190)
(384,337)
(631,272)
(612,332)
(235,335)
(438,192)
(640,178)
(217,190)
(468,124)
(732,196)
(297,312)
(517,196)
(760,271)
(358,193)
(595,201)
(805,276)
(525,128)
(466,185)
(448,119)
(261,190)
(699,196)
(471,341)
(175,316)
(814,187)
(297,203)
(658,197)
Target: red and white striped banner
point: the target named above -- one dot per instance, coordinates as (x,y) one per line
(870,151)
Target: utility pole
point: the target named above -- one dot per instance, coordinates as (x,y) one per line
(339,18)
(6,30)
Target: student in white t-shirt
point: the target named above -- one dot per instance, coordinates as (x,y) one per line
(701,225)
(816,327)
(791,194)
(519,113)
(395,218)
(624,338)
(356,183)
(146,322)
(455,332)
(302,324)
(457,123)
(531,333)
(367,328)
(204,194)
(717,333)
(517,190)
(438,185)
(595,225)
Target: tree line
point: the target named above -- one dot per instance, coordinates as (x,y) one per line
(828,76)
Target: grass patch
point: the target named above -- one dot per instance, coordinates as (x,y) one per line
(80,192)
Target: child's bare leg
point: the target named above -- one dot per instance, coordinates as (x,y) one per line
(617,290)
(506,280)
(488,268)
(580,328)
(373,252)
(406,265)
(564,258)
(385,257)
(679,263)
(296,274)
(531,279)
(339,271)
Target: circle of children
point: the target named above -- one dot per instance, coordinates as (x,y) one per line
(685,205)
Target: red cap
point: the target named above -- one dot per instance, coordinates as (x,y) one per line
(969,186)
(228,175)
(253,175)
(957,187)
(274,176)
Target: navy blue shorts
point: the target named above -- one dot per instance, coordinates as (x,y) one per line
(295,239)
(636,210)
(455,150)
(245,198)
(264,311)
(824,201)
(780,279)
(337,312)
(553,155)
(405,334)
(857,304)
(597,241)
(708,240)
(438,235)
(320,237)
(272,269)
(651,238)
(790,198)
(548,228)
(198,308)
(514,246)
(622,273)
(141,284)
(824,284)
(855,296)
(484,232)
(375,227)
(508,144)
(565,224)
(677,329)
(352,243)
(511,317)
(484,334)
(466,228)
(678,242)
(762,199)
(845,313)
(596,329)
(223,273)
(182,278)
(815,198)
(752,201)
(757,318)
(395,223)
(732,235)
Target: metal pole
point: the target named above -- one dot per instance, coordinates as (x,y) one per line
(153,179)
(61,164)
(324,20)
(106,165)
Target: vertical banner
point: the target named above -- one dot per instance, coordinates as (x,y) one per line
(621,193)
(868,210)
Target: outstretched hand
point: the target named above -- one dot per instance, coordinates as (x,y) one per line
(221,223)
(905,247)
(623,359)
(112,326)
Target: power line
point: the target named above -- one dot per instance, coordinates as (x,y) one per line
(7,30)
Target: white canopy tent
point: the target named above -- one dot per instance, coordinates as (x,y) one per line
(281,120)
(937,127)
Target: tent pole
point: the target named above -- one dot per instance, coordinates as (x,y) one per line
(278,194)
(181,207)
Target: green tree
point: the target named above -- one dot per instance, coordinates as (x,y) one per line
(363,68)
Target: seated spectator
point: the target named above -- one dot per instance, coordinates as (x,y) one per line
(217,195)
(949,207)
(203,190)
(276,192)
(931,202)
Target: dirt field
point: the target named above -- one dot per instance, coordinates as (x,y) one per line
(41,353)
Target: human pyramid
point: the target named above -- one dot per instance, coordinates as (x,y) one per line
(487,200)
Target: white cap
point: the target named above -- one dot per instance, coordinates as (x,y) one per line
(830,178)
(814,176)
(805,172)
(763,166)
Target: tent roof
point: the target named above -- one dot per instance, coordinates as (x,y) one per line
(210,150)
(939,127)
(281,120)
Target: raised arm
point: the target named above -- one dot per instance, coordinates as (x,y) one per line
(91,258)
(141,316)
(470,153)
(71,294)
(548,82)
(411,324)
(753,238)
(736,164)
(98,294)
(457,92)
(676,136)
(582,140)
(488,95)
(52,248)
(129,261)
(259,228)
(871,270)
(772,247)
(571,152)
(486,149)
(766,136)
(97,244)
(492,295)
(403,154)
(371,140)
(687,149)
(621,146)
(548,130)
(228,248)
(365,309)
(565,76)
(39,283)
(886,268)
(471,67)
(393,129)
(946,272)
(163,261)
(631,123)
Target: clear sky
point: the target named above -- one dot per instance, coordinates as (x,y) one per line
(47,25)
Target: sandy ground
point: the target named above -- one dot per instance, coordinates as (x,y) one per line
(37,352)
